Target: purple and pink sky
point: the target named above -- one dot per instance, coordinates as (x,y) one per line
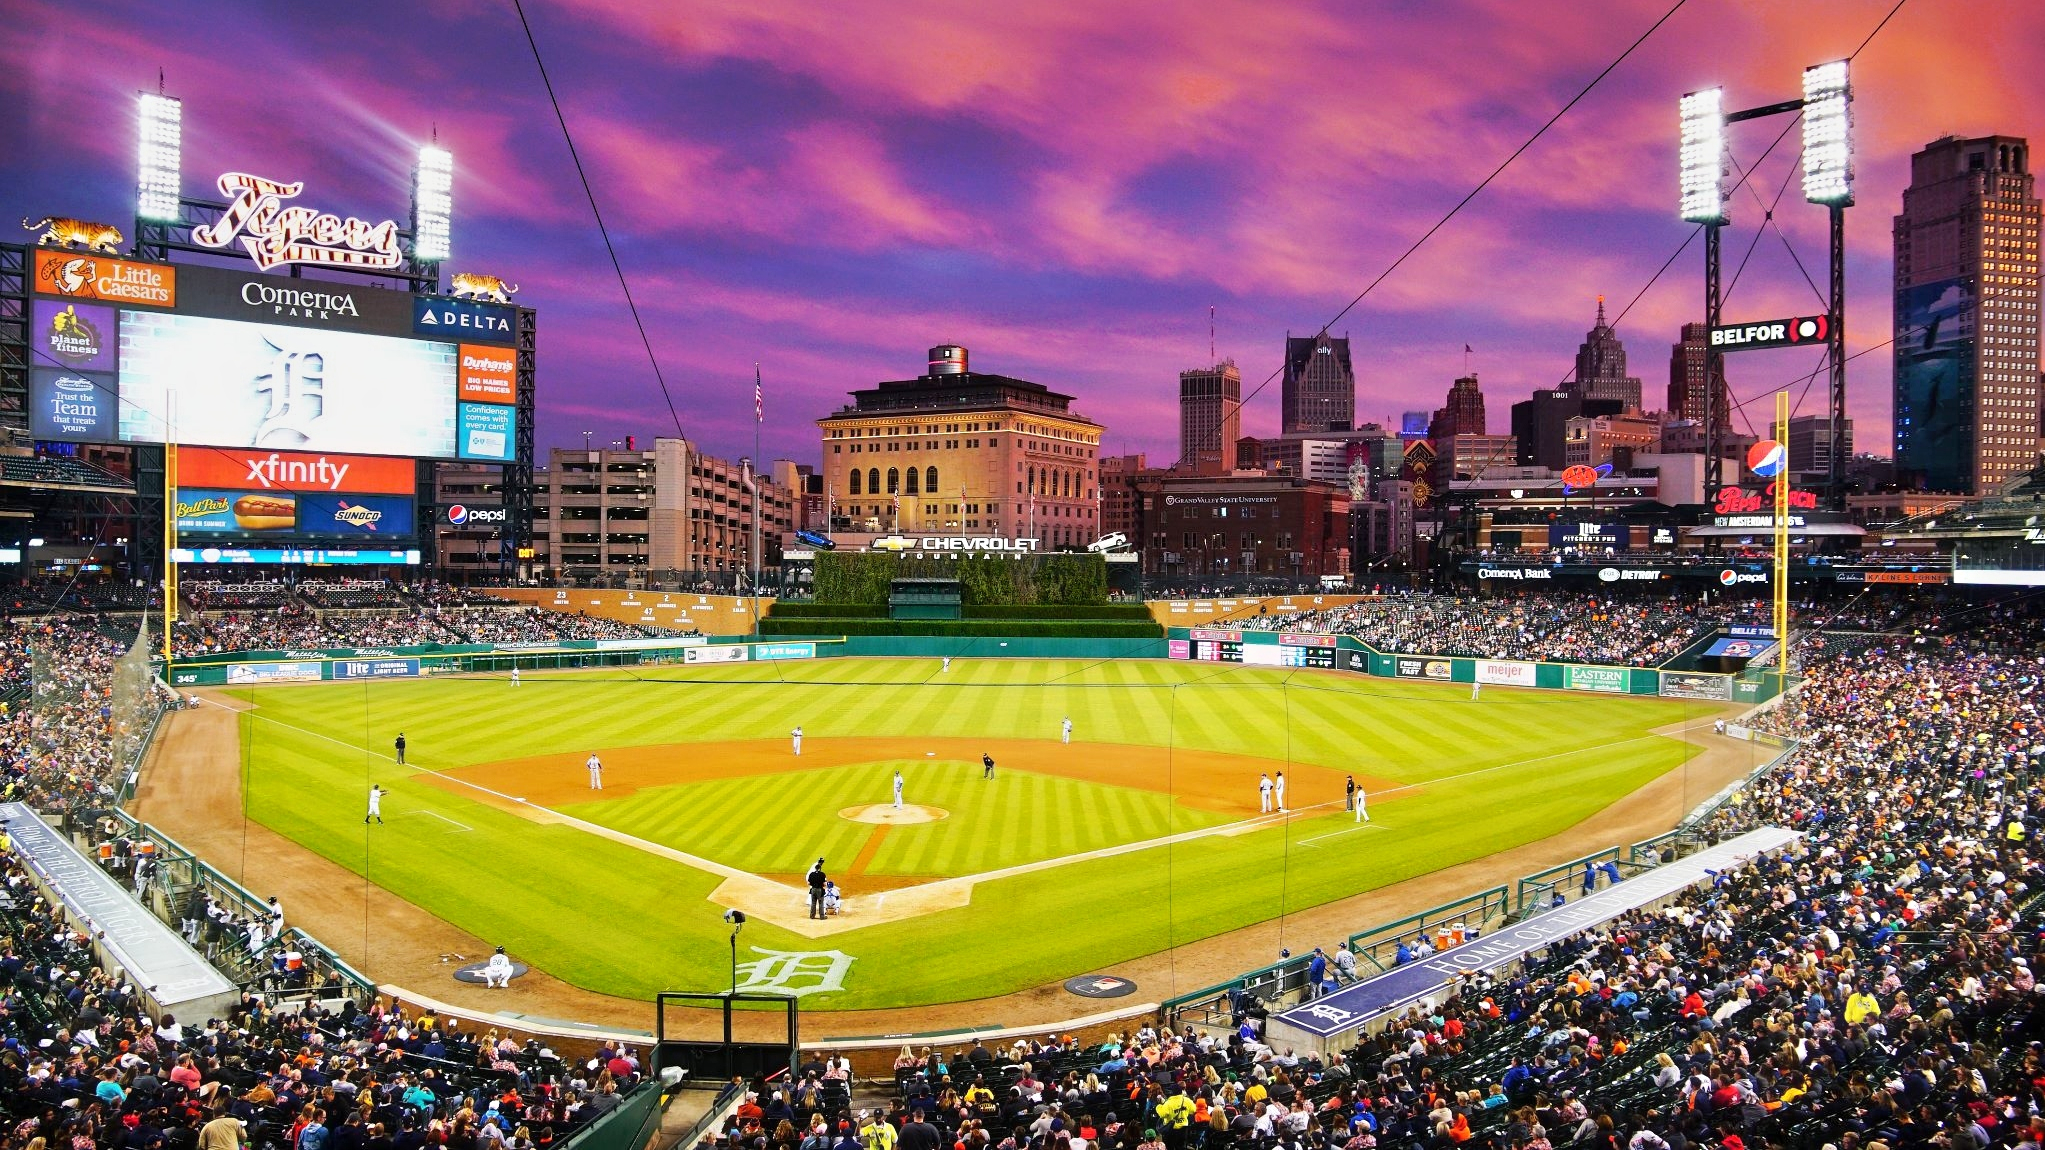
(1065,187)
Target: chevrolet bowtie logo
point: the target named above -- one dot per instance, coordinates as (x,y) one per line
(893,543)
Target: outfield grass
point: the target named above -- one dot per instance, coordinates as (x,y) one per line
(1515,767)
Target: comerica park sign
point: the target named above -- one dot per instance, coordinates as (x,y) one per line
(1771,333)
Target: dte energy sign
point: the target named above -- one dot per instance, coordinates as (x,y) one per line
(1771,333)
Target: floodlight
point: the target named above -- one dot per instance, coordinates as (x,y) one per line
(1828,122)
(162,149)
(432,204)
(1703,156)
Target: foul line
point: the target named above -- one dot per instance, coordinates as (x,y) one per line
(1343,831)
(443,818)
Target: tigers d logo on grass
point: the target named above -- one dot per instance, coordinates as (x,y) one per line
(794,972)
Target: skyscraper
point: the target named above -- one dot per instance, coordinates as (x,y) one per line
(1461,412)
(1319,391)
(1210,418)
(1966,316)
(1686,377)
(1601,366)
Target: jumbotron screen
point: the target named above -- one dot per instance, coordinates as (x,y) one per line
(128,352)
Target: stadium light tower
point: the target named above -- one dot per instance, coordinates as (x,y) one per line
(1703,157)
(1702,164)
(1828,180)
(162,150)
(1828,149)
(432,205)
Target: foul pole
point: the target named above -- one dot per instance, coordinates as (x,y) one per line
(1781,509)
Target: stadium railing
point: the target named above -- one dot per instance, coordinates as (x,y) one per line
(325,977)
(1214,1006)
(1534,892)
(1379,944)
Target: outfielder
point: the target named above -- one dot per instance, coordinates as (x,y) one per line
(1066,730)
(514,676)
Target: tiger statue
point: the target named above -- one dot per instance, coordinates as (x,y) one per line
(65,232)
(469,285)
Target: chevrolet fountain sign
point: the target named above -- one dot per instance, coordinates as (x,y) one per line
(951,544)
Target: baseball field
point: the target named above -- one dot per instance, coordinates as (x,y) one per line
(1143,833)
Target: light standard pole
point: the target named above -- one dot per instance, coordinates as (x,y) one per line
(737,919)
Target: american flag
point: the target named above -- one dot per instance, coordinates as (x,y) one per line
(759,408)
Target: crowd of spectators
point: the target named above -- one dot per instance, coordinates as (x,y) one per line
(436,616)
(1633,631)
(1870,987)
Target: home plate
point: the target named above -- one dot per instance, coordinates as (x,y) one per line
(929,754)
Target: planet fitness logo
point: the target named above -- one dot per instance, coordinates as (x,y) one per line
(1766,458)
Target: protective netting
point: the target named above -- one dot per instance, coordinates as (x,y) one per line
(133,703)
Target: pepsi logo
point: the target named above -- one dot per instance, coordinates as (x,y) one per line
(462,515)
(1766,458)
(457,515)
(1728,577)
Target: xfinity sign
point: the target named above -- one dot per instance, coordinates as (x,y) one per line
(1771,333)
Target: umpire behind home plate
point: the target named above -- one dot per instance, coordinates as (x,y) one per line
(816,889)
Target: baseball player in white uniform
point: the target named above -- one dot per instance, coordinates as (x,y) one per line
(514,676)
(898,790)
(497,972)
(1264,794)
(376,794)
(795,739)
(596,772)
(1065,729)
(1280,787)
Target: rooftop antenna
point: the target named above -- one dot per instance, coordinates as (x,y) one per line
(1211,358)
(159,82)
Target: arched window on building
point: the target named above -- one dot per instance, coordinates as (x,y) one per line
(855,481)
(930,480)
(894,481)
(873,481)
(912,488)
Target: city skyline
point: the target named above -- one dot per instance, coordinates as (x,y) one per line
(1068,195)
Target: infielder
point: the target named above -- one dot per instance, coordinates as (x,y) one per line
(497,972)
(898,790)
(795,739)
(1264,794)
(596,772)
(1066,730)
(1362,807)
(376,794)
(1281,792)
(986,765)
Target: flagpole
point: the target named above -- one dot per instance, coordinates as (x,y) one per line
(759,417)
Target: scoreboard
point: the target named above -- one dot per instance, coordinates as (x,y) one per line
(1215,646)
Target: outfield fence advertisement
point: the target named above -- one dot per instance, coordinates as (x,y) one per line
(1505,673)
(1608,679)
(731,653)
(375,668)
(1412,667)
(1694,685)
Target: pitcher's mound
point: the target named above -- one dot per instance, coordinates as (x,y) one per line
(887,813)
